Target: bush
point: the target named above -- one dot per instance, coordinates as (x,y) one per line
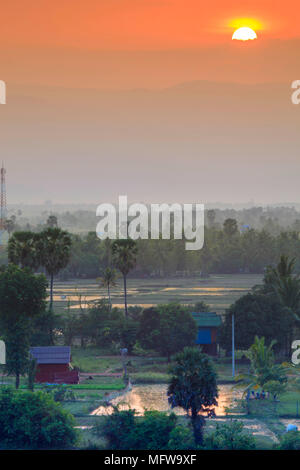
(34,420)
(181,438)
(59,392)
(125,431)
(230,436)
(290,441)
(118,429)
(153,431)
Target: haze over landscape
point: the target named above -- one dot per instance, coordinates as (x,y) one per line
(158,106)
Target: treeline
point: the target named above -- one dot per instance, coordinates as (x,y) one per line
(142,330)
(226,250)
(273,219)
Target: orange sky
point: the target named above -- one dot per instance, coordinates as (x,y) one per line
(139,24)
(142,88)
(145,43)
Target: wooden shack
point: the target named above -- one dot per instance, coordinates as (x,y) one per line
(54,365)
(208,324)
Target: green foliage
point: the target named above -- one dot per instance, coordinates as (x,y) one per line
(45,327)
(282,282)
(86,256)
(22,297)
(256,315)
(59,392)
(23,249)
(264,372)
(124,253)
(290,441)
(172,322)
(124,430)
(226,250)
(54,249)
(17,349)
(106,326)
(22,294)
(230,227)
(230,436)
(119,428)
(108,279)
(153,431)
(181,438)
(194,387)
(31,374)
(34,420)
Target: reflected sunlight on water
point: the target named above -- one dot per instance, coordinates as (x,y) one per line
(154,397)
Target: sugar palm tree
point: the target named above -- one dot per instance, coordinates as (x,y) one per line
(108,280)
(54,251)
(124,253)
(23,249)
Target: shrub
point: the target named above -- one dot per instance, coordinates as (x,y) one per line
(230,436)
(290,441)
(59,392)
(153,431)
(125,431)
(118,429)
(34,420)
(181,438)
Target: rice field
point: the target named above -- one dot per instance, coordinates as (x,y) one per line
(219,291)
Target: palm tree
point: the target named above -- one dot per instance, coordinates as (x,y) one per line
(282,281)
(23,250)
(124,254)
(264,372)
(193,387)
(108,280)
(54,252)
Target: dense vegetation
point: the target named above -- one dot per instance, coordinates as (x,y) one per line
(34,420)
(235,242)
(270,312)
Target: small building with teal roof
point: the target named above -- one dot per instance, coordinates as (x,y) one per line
(208,324)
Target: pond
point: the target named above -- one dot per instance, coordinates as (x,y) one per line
(154,397)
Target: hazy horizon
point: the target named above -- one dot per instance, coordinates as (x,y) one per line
(194,142)
(149,99)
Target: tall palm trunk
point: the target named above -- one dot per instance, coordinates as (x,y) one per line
(125,295)
(51,292)
(109,298)
(17,380)
(197,422)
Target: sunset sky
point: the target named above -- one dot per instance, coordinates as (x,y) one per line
(140,24)
(136,43)
(154,58)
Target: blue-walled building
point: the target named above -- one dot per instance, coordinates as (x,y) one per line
(208,324)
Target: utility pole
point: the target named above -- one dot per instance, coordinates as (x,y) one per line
(233,348)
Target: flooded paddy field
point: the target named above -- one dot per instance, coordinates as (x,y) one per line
(219,291)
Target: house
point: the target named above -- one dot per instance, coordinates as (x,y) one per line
(208,324)
(54,365)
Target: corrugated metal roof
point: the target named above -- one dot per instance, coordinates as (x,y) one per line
(51,354)
(207,319)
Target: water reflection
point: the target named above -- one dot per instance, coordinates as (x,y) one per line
(154,397)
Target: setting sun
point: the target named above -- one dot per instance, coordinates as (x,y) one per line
(244,34)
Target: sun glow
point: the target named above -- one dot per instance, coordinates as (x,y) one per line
(244,34)
(245,28)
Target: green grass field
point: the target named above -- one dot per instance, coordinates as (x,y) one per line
(219,291)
